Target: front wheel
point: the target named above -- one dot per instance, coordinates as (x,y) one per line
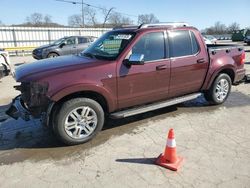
(219,90)
(52,55)
(79,120)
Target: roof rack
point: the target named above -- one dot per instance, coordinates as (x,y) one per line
(126,27)
(164,24)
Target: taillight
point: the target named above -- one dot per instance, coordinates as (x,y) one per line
(243,58)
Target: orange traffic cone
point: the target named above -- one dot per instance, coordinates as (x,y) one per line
(169,158)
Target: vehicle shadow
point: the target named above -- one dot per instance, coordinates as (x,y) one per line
(31,134)
(31,140)
(3,116)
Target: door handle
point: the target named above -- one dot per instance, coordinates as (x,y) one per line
(201,60)
(161,67)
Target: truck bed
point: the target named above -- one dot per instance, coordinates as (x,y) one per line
(229,54)
(216,47)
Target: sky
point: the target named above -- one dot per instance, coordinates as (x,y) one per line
(199,13)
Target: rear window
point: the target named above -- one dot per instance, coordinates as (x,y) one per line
(195,45)
(82,40)
(182,43)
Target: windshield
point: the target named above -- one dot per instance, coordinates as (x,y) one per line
(59,41)
(109,46)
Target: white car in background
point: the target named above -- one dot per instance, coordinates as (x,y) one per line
(5,65)
(207,41)
(211,38)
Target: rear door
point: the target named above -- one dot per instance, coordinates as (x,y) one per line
(83,43)
(140,84)
(189,62)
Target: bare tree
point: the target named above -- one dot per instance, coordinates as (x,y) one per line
(47,19)
(147,18)
(233,27)
(220,28)
(116,19)
(35,19)
(126,20)
(106,13)
(75,20)
(90,14)
(217,29)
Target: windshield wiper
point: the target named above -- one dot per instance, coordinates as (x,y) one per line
(87,54)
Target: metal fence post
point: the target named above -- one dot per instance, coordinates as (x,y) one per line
(14,39)
(49,36)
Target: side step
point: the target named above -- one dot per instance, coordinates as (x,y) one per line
(154,106)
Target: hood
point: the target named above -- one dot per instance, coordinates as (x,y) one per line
(44,65)
(45,46)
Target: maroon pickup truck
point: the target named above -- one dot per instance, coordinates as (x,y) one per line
(125,72)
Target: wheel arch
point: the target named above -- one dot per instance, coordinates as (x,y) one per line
(93,91)
(51,53)
(228,69)
(56,105)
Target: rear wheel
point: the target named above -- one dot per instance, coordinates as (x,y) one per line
(219,90)
(52,55)
(78,121)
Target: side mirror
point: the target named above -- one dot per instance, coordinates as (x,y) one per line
(135,59)
(62,45)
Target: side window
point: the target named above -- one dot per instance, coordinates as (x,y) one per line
(70,41)
(152,45)
(195,45)
(183,43)
(82,40)
(180,43)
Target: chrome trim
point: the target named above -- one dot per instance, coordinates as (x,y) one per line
(154,106)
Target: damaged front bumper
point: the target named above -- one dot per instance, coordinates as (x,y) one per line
(32,103)
(18,110)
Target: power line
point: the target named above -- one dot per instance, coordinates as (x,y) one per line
(94,6)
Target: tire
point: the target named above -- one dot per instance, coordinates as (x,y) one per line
(52,55)
(72,127)
(219,90)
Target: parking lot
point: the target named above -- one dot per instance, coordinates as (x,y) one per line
(214,141)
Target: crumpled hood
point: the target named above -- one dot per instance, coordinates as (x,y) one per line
(44,65)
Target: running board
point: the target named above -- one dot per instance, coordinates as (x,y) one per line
(154,106)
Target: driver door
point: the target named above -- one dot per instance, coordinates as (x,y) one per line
(140,84)
(69,47)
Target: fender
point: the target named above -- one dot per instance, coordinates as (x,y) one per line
(110,98)
(217,66)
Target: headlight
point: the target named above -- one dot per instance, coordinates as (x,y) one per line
(39,51)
